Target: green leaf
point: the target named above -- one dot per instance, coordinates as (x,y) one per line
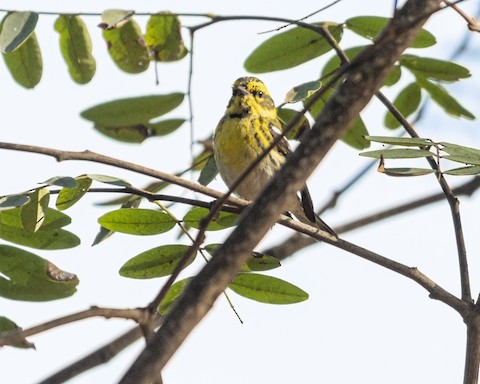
(12,201)
(29,277)
(286,115)
(405,141)
(397,153)
(394,76)
(406,102)
(472,155)
(115,18)
(112,180)
(165,127)
(289,49)
(8,325)
(223,221)
(16,28)
(33,213)
(370,27)
(464,171)
(53,219)
(267,289)
(43,239)
(406,171)
(209,171)
(173,294)
(132,111)
(463,159)
(440,96)
(126,47)
(163,37)
(70,195)
(137,221)
(302,91)
(61,181)
(25,63)
(434,68)
(156,262)
(76,47)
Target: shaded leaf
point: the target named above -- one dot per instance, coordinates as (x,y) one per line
(115,18)
(461,150)
(400,172)
(8,325)
(286,115)
(405,141)
(31,278)
(25,63)
(165,127)
(112,180)
(370,27)
(12,201)
(131,111)
(16,28)
(61,181)
(302,91)
(33,213)
(163,37)
(70,195)
(127,48)
(136,221)
(464,171)
(434,68)
(267,289)
(406,102)
(42,239)
(209,171)
(172,294)
(53,219)
(440,96)
(156,262)
(224,220)
(397,153)
(76,47)
(289,49)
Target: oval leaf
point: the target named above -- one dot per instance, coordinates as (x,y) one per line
(406,102)
(156,262)
(302,91)
(109,180)
(12,201)
(131,111)
(16,28)
(434,68)
(76,47)
(31,278)
(163,37)
(135,221)
(53,219)
(69,196)
(126,47)
(209,171)
(115,18)
(172,294)
(286,115)
(289,49)
(267,289)
(61,181)
(223,221)
(33,213)
(25,63)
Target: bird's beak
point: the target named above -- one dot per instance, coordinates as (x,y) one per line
(242,90)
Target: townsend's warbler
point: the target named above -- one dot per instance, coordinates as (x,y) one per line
(248,127)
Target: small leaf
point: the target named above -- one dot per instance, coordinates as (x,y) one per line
(464,171)
(25,63)
(127,48)
(61,181)
(286,115)
(444,99)
(397,153)
(156,262)
(16,28)
(53,219)
(172,294)
(8,325)
(12,201)
(260,262)
(28,277)
(131,111)
(223,221)
(406,102)
(405,141)
(434,68)
(33,213)
(289,49)
(109,180)
(163,37)
(370,27)
(115,18)
(400,172)
(302,91)
(76,47)
(267,289)
(209,171)
(70,195)
(137,221)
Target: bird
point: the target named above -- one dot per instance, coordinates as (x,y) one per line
(250,124)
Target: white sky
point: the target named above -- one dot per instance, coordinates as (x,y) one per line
(361,323)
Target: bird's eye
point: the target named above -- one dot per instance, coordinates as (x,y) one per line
(260,94)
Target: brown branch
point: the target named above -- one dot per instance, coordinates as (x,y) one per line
(472,22)
(343,107)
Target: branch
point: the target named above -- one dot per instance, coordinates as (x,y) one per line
(369,70)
